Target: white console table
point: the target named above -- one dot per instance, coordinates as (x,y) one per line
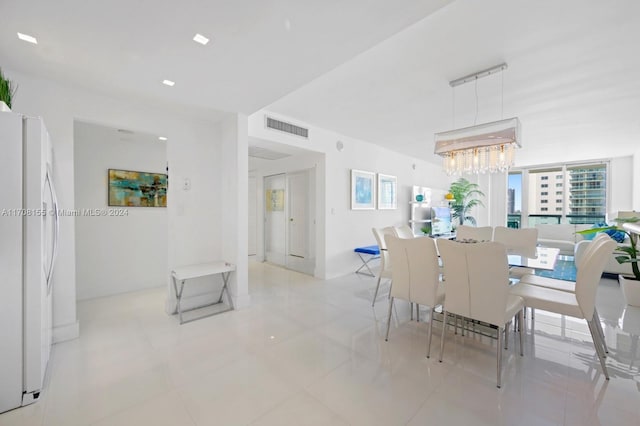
(184,273)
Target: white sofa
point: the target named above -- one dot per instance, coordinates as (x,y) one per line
(562,236)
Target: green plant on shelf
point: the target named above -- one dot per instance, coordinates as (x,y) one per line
(7,90)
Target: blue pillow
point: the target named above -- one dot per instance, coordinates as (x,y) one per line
(618,236)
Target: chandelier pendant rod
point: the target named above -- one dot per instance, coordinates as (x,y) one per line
(477,75)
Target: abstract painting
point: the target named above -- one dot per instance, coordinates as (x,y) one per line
(275,200)
(137,189)
(387,192)
(362,190)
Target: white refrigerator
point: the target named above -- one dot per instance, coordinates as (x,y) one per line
(28,245)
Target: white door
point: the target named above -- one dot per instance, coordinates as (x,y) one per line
(275,219)
(252,215)
(297,185)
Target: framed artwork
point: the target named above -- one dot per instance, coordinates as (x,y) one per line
(137,189)
(363,192)
(387,192)
(275,200)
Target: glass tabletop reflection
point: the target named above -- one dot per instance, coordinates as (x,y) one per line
(545,259)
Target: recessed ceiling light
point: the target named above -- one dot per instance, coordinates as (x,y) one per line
(199,38)
(162,138)
(27,38)
(168,82)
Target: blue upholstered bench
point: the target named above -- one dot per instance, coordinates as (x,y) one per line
(367,254)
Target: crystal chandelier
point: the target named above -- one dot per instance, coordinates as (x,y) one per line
(482,148)
(487,147)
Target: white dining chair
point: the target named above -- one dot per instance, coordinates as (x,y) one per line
(579,304)
(476,279)
(570,286)
(415,272)
(475,233)
(385,265)
(404,231)
(521,242)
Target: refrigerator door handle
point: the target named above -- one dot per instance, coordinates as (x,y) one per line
(56,228)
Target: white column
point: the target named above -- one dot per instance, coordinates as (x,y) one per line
(235,173)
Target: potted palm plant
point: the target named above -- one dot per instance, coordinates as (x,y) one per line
(7,90)
(465,197)
(630,284)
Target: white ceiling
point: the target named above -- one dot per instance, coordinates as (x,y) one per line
(260,50)
(573,79)
(376,70)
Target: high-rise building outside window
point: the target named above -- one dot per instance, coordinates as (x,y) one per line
(583,201)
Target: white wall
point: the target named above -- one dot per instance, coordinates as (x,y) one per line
(621,185)
(116,254)
(252,215)
(635,185)
(340,229)
(195,217)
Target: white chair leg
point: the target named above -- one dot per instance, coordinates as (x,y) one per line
(506,335)
(444,328)
(389,319)
(598,324)
(499,347)
(375,295)
(521,327)
(429,332)
(598,347)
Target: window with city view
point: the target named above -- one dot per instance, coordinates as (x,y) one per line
(583,201)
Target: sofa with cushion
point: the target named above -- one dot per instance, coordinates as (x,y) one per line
(562,236)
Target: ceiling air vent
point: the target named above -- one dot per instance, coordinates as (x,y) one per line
(287,128)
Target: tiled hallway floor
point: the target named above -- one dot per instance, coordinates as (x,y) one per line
(312,352)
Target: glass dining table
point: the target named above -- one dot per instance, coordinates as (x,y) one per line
(545,260)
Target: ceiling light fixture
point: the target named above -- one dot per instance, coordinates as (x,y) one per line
(162,138)
(27,38)
(487,147)
(199,38)
(168,83)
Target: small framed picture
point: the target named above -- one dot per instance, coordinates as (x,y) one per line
(387,192)
(363,192)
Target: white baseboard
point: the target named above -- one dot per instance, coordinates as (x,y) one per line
(65,332)
(242,301)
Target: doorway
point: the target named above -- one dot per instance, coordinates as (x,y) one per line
(289,228)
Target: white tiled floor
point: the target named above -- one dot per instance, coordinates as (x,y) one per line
(312,352)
